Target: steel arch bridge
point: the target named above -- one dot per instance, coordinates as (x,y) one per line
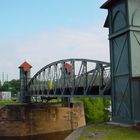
(72,78)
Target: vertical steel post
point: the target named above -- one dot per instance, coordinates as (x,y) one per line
(66,101)
(85,82)
(73,76)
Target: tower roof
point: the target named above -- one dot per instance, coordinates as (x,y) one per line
(68,67)
(108,3)
(26,66)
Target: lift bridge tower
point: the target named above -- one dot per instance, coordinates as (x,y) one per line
(25,70)
(123,21)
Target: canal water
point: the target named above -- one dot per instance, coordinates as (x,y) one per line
(50,136)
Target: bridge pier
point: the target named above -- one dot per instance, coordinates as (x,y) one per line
(124,34)
(24,79)
(66,101)
(39,119)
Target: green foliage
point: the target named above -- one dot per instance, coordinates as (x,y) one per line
(5,87)
(5,102)
(96,109)
(13,86)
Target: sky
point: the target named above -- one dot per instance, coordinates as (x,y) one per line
(44,31)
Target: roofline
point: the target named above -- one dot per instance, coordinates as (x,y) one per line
(22,67)
(23,63)
(107,4)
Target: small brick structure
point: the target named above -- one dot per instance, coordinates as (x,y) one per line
(34,119)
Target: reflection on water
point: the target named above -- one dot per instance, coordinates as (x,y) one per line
(51,136)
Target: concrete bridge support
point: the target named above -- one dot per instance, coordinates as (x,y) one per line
(39,119)
(124,34)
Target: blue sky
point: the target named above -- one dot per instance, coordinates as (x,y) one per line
(31,26)
(28,16)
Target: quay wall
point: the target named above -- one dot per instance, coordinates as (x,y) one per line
(34,119)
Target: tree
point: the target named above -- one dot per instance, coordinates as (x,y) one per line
(0,83)
(5,86)
(13,86)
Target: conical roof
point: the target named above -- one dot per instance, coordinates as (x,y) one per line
(26,66)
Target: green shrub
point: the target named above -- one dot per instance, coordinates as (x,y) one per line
(96,109)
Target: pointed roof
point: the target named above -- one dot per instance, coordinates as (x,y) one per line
(68,67)
(26,66)
(108,3)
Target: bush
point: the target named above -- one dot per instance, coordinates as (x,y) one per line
(96,109)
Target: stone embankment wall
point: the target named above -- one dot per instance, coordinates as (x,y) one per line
(33,119)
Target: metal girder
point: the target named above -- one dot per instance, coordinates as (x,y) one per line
(72,78)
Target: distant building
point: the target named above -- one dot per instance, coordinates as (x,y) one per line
(5,95)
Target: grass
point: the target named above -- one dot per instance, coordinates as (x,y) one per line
(109,132)
(5,102)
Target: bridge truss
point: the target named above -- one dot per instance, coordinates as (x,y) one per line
(72,78)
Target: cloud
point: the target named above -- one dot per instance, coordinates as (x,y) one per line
(42,48)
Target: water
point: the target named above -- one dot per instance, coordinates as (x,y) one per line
(50,136)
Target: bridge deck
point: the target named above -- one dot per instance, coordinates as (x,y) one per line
(93,91)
